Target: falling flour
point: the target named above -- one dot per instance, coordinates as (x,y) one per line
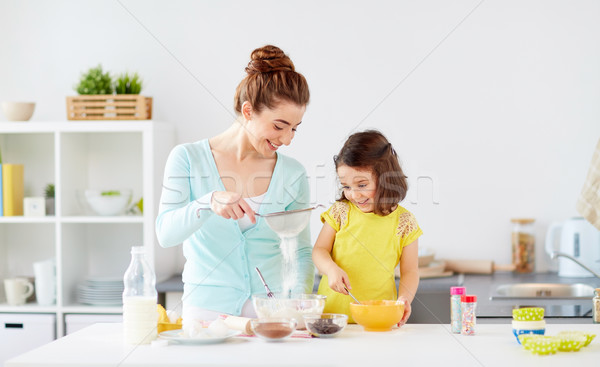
(289,246)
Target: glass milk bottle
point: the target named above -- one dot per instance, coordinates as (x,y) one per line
(523,245)
(140,315)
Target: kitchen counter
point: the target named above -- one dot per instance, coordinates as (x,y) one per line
(412,345)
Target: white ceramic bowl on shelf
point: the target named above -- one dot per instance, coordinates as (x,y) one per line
(18,111)
(108,202)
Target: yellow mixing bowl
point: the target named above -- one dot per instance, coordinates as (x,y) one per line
(377,315)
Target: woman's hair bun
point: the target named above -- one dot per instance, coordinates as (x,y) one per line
(271,78)
(269,59)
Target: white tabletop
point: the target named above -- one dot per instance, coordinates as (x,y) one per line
(411,345)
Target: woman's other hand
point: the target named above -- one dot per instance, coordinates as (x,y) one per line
(231,205)
(338,280)
(407,310)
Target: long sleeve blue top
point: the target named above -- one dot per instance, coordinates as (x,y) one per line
(220,259)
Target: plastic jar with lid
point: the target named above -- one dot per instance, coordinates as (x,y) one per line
(523,245)
(596,308)
(455,308)
(468,317)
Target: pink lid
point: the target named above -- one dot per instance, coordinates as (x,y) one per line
(457,290)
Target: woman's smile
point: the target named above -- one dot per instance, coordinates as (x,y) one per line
(273,146)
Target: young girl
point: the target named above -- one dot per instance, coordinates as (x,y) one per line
(366,233)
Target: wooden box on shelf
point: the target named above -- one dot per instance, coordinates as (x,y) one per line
(109,107)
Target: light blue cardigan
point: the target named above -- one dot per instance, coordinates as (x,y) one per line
(219,271)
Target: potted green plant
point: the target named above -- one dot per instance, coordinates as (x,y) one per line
(95,81)
(96,100)
(49,195)
(128,84)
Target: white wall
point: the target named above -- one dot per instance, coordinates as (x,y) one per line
(497,101)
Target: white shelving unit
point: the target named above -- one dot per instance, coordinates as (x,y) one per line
(77,155)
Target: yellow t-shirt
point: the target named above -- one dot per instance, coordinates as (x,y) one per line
(367,247)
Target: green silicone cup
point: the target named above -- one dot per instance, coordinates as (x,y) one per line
(588,336)
(528,314)
(543,345)
(571,343)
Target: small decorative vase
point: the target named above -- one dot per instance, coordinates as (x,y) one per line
(49,206)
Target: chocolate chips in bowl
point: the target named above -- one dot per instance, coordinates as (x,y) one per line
(325,325)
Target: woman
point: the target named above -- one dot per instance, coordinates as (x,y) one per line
(235,174)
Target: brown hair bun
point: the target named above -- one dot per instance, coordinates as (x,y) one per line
(267,59)
(271,78)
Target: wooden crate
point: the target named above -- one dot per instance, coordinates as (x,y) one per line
(109,107)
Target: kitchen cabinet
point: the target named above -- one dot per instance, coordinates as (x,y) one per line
(23,332)
(79,155)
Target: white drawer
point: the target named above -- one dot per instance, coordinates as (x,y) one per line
(74,322)
(23,332)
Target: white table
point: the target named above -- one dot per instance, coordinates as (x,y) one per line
(412,345)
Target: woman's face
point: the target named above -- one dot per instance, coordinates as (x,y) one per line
(359,187)
(271,128)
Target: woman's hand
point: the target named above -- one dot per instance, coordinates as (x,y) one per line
(231,205)
(338,280)
(407,310)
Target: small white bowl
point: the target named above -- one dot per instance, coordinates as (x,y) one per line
(108,202)
(528,327)
(18,111)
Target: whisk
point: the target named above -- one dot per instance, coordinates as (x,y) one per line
(269,293)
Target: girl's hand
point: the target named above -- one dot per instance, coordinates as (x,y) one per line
(407,310)
(231,205)
(338,280)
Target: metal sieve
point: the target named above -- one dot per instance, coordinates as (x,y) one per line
(289,223)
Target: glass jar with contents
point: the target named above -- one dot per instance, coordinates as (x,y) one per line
(523,245)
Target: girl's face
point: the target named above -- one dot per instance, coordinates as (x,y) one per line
(272,128)
(359,186)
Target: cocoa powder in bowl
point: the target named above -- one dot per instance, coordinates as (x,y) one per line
(273,329)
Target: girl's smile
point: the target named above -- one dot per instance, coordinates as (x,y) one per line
(359,186)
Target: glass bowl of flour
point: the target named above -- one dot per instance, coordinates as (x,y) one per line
(292,307)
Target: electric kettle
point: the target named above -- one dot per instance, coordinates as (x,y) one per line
(579,239)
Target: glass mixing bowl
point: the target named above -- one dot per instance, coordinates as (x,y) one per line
(326,325)
(293,307)
(272,329)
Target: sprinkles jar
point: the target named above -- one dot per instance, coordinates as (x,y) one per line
(455,309)
(469,320)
